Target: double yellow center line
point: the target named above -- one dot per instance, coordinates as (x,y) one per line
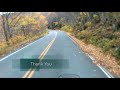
(31,71)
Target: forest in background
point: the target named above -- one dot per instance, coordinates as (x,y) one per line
(101,29)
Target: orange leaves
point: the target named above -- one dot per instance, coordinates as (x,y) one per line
(43,20)
(42,17)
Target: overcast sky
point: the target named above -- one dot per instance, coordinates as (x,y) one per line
(1,13)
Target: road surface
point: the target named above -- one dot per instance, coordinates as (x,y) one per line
(57,45)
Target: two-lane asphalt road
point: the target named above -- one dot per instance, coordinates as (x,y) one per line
(54,46)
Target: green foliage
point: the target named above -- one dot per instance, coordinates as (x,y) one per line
(115,42)
(109,35)
(107,40)
(88,24)
(97,28)
(96,18)
(84,35)
(93,40)
(67,28)
(105,44)
(117,52)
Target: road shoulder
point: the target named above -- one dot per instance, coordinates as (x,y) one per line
(99,57)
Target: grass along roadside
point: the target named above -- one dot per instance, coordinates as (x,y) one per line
(106,60)
(18,42)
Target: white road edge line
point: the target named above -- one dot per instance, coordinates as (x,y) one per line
(106,73)
(18,50)
(91,57)
(86,54)
(109,76)
(83,51)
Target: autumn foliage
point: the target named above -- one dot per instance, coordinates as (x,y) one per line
(21,28)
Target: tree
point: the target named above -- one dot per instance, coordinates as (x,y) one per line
(12,22)
(5,25)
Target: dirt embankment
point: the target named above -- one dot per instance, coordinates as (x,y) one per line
(108,61)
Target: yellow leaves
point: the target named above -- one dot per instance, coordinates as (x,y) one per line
(24,23)
(17,39)
(46,22)
(33,21)
(83,14)
(88,24)
(28,20)
(67,28)
(56,23)
(35,27)
(2,45)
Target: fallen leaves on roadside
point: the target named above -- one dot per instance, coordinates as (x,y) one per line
(108,61)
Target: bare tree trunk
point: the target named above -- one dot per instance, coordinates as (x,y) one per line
(104,18)
(24,32)
(7,26)
(5,30)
